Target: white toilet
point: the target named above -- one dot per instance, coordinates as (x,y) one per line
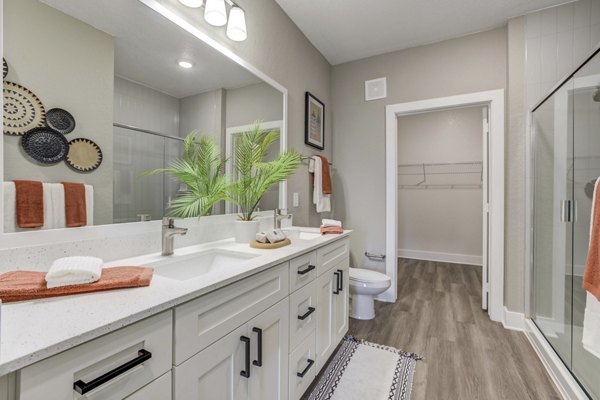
(365,284)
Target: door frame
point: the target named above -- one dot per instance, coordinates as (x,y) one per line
(494,100)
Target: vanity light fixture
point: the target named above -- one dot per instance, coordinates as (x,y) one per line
(185,64)
(215,13)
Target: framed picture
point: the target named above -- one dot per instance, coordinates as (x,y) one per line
(314,122)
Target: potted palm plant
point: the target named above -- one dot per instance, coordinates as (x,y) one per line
(255,176)
(201,171)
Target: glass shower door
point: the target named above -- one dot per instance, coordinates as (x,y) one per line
(553,215)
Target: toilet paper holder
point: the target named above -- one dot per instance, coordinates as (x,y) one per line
(375,257)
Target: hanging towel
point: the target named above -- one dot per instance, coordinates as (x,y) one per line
(326,183)
(591,281)
(321,200)
(76,270)
(10,207)
(29,204)
(89,204)
(54,206)
(31,285)
(75,205)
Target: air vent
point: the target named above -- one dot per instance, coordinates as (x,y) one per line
(376,89)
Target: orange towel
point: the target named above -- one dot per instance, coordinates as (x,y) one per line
(336,230)
(75,207)
(591,276)
(326,175)
(31,285)
(30,204)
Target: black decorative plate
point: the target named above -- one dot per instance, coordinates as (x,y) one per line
(23,111)
(4,68)
(45,145)
(60,120)
(84,155)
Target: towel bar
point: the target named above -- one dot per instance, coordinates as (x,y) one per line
(375,257)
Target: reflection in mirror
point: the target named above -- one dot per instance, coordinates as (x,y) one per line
(123,84)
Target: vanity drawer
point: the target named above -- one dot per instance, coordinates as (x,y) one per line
(302,362)
(303,270)
(303,313)
(205,320)
(332,254)
(159,389)
(54,377)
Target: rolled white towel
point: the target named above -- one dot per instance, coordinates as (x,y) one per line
(77,270)
(326,223)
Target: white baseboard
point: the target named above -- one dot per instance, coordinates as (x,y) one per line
(512,320)
(438,256)
(567,386)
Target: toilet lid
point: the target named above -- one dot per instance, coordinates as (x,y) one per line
(367,275)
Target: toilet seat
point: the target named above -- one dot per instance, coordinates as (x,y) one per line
(362,275)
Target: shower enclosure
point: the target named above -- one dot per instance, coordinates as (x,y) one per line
(566,164)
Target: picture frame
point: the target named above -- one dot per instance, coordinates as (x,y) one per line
(314,122)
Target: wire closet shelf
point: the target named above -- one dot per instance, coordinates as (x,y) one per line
(457,175)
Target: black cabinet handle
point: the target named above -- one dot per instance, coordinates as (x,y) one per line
(307,270)
(310,311)
(341,280)
(310,364)
(246,372)
(82,387)
(337,283)
(258,362)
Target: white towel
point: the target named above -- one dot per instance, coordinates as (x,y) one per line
(320,200)
(54,206)
(326,223)
(76,270)
(89,204)
(591,318)
(10,207)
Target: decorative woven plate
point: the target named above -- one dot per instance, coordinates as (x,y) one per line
(60,120)
(4,68)
(84,155)
(45,145)
(23,111)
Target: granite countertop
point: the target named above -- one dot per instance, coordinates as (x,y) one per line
(34,330)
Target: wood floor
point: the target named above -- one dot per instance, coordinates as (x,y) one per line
(466,356)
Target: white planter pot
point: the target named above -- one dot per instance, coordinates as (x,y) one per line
(245,231)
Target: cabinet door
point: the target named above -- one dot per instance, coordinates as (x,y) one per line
(269,333)
(326,285)
(341,302)
(214,373)
(159,389)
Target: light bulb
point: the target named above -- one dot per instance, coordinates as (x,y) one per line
(185,64)
(192,3)
(236,27)
(215,12)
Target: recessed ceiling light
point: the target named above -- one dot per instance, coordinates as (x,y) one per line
(192,3)
(185,64)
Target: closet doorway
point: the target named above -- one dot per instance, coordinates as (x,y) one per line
(468,183)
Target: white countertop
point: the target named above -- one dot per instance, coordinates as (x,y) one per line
(34,330)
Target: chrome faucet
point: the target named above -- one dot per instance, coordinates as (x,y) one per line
(278,216)
(169,230)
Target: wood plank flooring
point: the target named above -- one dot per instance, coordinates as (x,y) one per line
(466,356)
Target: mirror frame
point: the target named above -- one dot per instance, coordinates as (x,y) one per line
(51,236)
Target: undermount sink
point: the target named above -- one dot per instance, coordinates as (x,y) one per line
(191,266)
(300,234)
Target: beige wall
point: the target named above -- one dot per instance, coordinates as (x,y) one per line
(464,65)
(445,223)
(69,65)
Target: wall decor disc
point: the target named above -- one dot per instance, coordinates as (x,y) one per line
(60,120)
(45,145)
(23,111)
(4,68)
(84,155)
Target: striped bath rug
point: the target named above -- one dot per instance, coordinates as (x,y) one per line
(364,370)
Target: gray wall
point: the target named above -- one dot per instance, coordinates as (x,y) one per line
(250,103)
(447,221)
(464,65)
(69,65)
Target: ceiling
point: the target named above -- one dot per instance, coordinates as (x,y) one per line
(148,47)
(347,30)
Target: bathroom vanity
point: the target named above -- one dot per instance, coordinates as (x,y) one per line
(259,325)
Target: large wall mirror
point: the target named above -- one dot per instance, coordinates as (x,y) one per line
(109,79)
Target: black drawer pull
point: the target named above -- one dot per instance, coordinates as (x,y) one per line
(307,270)
(82,387)
(337,283)
(246,372)
(310,311)
(310,364)
(341,280)
(258,362)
